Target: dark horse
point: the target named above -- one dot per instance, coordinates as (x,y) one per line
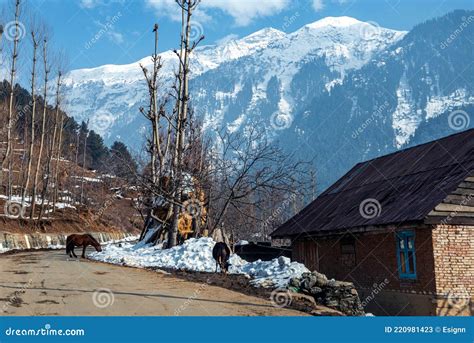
(81,240)
(221,254)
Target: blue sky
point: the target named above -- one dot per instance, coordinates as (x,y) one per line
(97,32)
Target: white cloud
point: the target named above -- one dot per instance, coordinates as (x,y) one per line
(243,11)
(88,3)
(115,37)
(109,30)
(167,8)
(246,11)
(318,5)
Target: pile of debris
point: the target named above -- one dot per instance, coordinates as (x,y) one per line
(338,295)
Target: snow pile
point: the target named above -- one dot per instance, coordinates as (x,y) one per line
(275,273)
(196,255)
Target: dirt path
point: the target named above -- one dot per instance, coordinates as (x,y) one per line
(49,283)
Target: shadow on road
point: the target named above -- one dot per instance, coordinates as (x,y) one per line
(147,295)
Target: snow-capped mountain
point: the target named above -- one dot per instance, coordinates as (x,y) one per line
(110,95)
(338,90)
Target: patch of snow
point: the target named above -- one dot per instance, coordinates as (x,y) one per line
(196,255)
(88,179)
(405,119)
(437,105)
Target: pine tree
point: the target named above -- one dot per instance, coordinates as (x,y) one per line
(121,162)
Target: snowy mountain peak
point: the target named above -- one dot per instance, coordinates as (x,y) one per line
(251,67)
(266,33)
(334,22)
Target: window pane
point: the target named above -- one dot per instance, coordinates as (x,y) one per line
(402,262)
(411,262)
(410,243)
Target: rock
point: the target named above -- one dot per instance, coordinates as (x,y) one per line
(321,279)
(338,295)
(309,282)
(315,290)
(295,282)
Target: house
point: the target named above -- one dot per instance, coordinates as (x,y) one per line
(400,227)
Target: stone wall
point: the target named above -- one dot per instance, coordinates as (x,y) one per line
(454,269)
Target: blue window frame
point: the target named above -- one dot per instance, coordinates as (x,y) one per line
(406,256)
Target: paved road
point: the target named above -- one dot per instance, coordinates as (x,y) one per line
(49,283)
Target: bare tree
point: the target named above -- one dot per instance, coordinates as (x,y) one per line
(187,47)
(33,115)
(84,154)
(7,158)
(43,127)
(245,171)
(60,139)
(51,147)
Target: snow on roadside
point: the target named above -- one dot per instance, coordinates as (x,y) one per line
(196,255)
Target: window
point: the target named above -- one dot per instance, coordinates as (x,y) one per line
(348,252)
(406,254)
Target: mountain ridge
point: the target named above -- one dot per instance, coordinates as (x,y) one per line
(308,88)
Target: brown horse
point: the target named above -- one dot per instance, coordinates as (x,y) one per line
(81,240)
(221,254)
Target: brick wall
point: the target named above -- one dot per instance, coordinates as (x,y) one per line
(454,266)
(444,265)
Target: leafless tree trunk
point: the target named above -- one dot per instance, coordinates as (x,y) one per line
(32,124)
(7,158)
(84,152)
(153,115)
(188,6)
(43,129)
(51,148)
(58,157)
